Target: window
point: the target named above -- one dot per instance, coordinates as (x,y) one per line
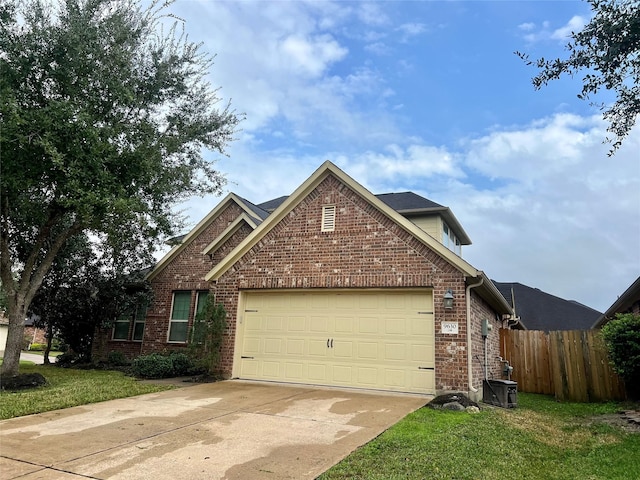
(201,303)
(138,323)
(122,325)
(179,323)
(450,240)
(328,218)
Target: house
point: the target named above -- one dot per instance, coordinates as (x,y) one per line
(628,302)
(331,285)
(537,310)
(4,330)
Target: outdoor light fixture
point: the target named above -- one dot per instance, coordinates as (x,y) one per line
(448,300)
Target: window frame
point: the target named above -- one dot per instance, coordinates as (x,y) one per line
(173,320)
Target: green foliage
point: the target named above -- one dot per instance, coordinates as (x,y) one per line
(207,335)
(38,347)
(622,338)
(105,114)
(607,51)
(117,359)
(156,365)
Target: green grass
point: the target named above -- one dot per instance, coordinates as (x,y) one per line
(68,388)
(541,439)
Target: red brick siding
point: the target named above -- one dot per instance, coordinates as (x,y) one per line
(480,310)
(366,250)
(185,272)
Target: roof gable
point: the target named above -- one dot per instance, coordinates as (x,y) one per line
(305,189)
(252,215)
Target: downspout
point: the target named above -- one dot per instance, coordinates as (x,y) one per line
(469,353)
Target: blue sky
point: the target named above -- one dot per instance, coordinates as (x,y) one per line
(430,97)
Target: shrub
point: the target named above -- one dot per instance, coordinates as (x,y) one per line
(117,359)
(182,364)
(622,338)
(156,365)
(153,365)
(38,347)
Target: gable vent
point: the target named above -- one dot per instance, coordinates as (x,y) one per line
(328,218)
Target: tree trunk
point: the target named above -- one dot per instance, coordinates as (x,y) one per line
(47,350)
(15,339)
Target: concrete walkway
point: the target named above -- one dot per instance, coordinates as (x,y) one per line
(225,430)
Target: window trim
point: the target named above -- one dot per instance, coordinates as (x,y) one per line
(172,320)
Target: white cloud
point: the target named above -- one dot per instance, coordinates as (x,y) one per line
(576,24)
(545,33)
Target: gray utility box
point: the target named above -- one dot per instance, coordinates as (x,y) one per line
(503,393)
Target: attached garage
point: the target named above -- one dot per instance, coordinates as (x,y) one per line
(366,338)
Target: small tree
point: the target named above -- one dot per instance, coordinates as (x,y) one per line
(622,338)
(206,336)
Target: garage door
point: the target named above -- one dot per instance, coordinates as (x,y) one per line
(366,339)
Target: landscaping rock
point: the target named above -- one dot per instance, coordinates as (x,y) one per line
(22,382)
(441,400)
(472,409)
(455,406)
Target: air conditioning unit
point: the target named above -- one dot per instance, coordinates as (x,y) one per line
(502,393)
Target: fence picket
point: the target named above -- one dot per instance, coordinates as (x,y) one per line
(572,365)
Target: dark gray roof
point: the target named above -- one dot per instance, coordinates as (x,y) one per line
(271,205)
(261,213)
(407,201)
(539,310)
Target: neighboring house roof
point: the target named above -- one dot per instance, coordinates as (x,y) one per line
(487,290)
(538,310)
(629,301)
(252,215)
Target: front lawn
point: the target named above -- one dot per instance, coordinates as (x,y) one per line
(541,439)
(70,387)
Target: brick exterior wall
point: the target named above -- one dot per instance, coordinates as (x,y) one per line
(184,273)
(366,250)
(480,310)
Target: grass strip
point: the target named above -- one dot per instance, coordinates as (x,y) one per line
(541,439)
(69,388)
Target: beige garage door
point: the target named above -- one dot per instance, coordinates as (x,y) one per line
(367,339)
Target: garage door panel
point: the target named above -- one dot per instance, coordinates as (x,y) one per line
(368,339)
(296,324)
(318,348)
(395,326)
(317,372)
(343,349)
(294,371)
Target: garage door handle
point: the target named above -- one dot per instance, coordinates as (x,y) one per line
(332,343)
(327,343)
(426,368)
(246,357)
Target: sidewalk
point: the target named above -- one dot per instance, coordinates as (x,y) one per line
(31,357)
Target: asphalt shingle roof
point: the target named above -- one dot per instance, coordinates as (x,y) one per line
(539,310)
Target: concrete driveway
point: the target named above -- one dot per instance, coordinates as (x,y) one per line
(224,430)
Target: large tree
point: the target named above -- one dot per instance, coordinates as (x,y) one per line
(607,51)
(105,109)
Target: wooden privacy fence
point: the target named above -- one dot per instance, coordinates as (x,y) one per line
(572,365)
